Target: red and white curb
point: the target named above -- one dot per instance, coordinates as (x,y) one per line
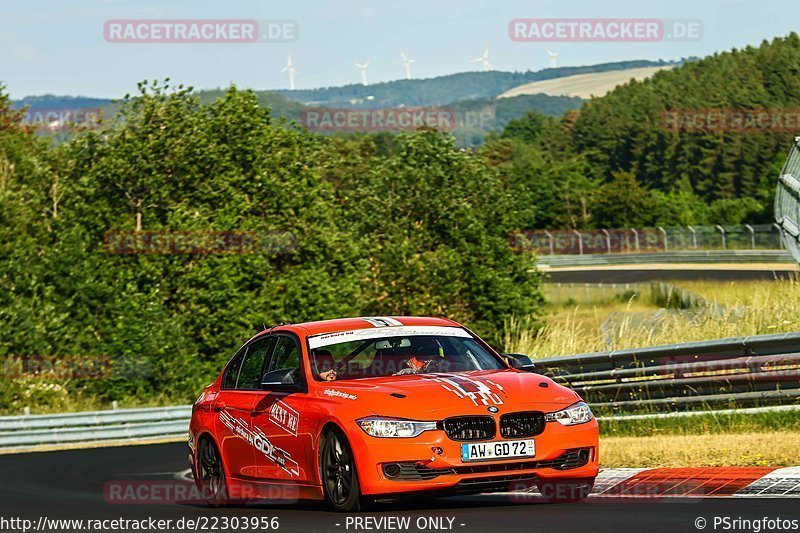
(739,482)
(699,482)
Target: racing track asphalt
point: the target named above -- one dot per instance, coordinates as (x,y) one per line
(70,484)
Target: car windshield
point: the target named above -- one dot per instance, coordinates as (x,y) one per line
(400,351)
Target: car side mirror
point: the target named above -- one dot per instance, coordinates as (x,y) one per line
(282,379)
(520,362)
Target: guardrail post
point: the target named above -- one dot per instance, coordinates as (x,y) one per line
(636,238)
(724,242)
(608,240)
(550,236)
(780,235)
(664,233)
(694,237)
(580,241)
(752,235)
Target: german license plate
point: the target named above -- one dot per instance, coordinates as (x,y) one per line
(487,451)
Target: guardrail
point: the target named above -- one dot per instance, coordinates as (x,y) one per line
(761,370)
(645,240)
(755,370)
(705,256)
(34,430)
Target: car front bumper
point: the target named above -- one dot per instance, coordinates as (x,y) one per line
(431,462)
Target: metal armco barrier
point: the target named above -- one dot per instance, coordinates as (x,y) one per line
(761,370)
(756,370)
(32,430)
(705,257)
(647,240)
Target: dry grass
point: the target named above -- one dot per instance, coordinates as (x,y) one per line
(584,85)
(731,293)
(726,449)
(751,309)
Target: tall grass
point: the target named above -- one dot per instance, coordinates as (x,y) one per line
(750,309)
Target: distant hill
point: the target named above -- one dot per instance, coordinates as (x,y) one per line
(471,94)
(718,127)
(51,101)
(585,85)
(444,90)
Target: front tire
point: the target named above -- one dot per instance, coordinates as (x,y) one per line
(339,477)
(565,490)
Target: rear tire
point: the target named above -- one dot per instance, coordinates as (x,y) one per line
(565,490)
(339,477)
(211,474)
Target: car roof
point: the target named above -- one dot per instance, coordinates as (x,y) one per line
(348,324)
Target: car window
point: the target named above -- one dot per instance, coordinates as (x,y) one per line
(250,375)
(398,354)
(285,357)
(232,372)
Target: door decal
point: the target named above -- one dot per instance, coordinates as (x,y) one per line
(260,442)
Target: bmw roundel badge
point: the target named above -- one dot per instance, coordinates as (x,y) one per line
(493,409)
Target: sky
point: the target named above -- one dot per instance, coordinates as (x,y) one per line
(58,46)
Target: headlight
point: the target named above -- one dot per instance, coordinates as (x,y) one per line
(575,414)
(390,427)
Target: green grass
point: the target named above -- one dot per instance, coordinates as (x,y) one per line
(702,424)
(751,308)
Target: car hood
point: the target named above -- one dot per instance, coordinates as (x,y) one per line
(438,396)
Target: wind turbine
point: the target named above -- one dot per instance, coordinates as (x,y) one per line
(363,69)
(484,59)
(291,70)
(553,56)
(407,64)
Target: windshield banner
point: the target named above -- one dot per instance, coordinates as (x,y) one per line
(326,339)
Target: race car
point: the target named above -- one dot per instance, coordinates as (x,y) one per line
(358,409)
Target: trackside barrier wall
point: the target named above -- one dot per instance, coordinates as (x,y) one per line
(762,371)
(757,370)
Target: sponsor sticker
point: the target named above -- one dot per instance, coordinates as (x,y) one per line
(260,442)
(339,394)
(284,417)
(328,339)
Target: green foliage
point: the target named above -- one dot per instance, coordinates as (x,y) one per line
(621,203)
(640,172)
(367,225)
(733,211)
(438,222)
(527,128)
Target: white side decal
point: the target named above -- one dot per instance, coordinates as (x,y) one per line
(260,442)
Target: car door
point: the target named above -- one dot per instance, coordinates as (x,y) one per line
(239,392)
(278,416)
